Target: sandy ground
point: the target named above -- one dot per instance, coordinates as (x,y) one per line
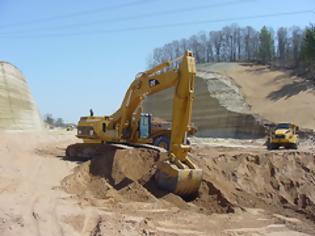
(43,194)
(275,95)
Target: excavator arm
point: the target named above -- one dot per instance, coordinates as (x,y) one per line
(145,85)
(154,81)
(178,174)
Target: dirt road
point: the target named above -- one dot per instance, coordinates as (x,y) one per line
(43,194)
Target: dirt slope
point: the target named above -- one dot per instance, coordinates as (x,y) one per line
(218,108)
(275,95)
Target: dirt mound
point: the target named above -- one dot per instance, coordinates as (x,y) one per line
(136,192)
(82,183)
(212,200)
(121,166)
(272,180)
(113,169)
(278,180)
(127,174)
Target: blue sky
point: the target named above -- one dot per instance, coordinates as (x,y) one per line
(78,54)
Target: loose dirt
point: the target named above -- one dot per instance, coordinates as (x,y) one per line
(113,172)
(273,180)
(234,179)
(245,191)
(128,174)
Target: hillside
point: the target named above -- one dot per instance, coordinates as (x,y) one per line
(219,110)
(272,94)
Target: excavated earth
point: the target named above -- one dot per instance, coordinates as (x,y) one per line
(235,180)
(278,180)
(283,179)
(127,175)
(246,190)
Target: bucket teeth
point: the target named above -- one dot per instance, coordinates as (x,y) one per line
(183,182)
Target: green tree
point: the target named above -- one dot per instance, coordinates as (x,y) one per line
(308,50)
(266,45)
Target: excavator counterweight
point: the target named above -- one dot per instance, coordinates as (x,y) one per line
(128,125)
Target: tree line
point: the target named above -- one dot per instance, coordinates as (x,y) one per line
(54,122)
(292,48)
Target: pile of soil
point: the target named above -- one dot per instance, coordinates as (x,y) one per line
(271,180)
(113,172)
(232,179)
(127,175)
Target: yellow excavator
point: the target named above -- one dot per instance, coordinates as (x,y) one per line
(130,126)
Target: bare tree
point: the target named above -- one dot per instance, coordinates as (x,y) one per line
(216,39)
(194,45)
(204,57)
(296,44)
(250,43)
(282,35)
(234,43)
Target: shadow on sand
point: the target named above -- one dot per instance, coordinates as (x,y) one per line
(292,89)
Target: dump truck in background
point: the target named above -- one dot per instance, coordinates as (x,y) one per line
(283,135)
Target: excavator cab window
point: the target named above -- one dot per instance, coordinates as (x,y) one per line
(145,126)
(104,127)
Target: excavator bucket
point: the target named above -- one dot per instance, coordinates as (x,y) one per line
(183,182)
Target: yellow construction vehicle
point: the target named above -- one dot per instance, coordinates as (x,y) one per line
(160,131)
(283,134)
(128,125)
